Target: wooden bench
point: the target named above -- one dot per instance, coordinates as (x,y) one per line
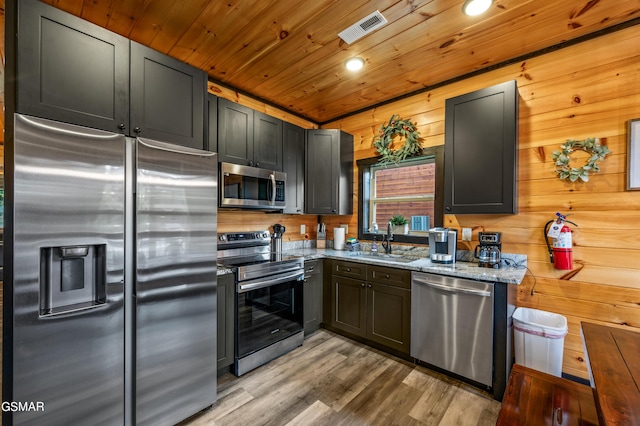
(536,398)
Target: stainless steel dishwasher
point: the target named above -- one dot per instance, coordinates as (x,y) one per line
(452,325)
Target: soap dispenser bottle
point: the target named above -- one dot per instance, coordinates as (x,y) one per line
(374,246)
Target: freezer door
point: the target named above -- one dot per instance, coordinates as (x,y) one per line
(67,287)
(176,202)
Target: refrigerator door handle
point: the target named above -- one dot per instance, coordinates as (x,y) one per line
(174,148)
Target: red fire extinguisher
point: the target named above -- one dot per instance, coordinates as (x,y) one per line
(560,250)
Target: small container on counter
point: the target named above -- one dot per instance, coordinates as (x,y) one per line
(321,240)
(338,238)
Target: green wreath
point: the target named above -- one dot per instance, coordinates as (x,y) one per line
(591,146)
(384,140)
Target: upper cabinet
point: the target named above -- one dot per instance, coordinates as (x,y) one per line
(248,137)
(293,166)
(267,141)
(329,172)
(235,133)
(73,71)
(481,136)
(167,98)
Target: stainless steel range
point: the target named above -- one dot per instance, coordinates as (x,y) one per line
(269,303)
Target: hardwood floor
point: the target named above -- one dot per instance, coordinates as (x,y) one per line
(332,380)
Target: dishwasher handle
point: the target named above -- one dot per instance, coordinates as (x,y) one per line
(450,289)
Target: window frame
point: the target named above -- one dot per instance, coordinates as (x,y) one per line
(437,153)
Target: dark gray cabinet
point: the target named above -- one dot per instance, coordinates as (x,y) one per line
(71,70)
(329,172)
(312,296)
(167,98)
(481,136)
(389,307)
(248,137)
(293,166)
(372,302)
(235,133)
(349,307)
(226,314)
(267,141)
(76,72)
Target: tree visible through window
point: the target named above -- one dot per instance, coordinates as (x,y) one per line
(406,189)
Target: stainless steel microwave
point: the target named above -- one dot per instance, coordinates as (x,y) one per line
(251,187)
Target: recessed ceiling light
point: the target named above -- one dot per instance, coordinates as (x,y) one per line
(354,64)
(476,7)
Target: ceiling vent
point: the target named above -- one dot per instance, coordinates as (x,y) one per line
(363,27)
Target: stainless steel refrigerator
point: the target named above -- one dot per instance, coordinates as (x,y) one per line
(114,277)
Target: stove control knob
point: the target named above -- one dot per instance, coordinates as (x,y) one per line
(222,237)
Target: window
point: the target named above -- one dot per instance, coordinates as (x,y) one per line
(412,189)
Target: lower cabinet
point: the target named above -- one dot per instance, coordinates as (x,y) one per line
(376,305)
(312,294)
(349,307)
(389,316)
(226,308)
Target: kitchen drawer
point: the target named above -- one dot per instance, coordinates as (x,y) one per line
(389,276)
(350,269)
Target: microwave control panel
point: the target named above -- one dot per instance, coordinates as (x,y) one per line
(279,191)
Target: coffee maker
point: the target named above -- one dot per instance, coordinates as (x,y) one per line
(488,252)
(442,245)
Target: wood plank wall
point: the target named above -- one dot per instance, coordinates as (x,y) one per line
(587,90)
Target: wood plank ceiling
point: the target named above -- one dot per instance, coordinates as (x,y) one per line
(288,53)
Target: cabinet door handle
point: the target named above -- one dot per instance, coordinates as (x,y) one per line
(559,415)
(388,276)
(137,129)
(251,163)
(369,285)
(348,269)
(257,164)
(121,126)
(362,285)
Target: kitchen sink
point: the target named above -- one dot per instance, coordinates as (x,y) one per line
(387,257)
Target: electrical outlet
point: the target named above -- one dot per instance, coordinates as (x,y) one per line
(466,234)
(303,229)
(346,227)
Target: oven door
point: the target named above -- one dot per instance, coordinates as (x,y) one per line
(268,310)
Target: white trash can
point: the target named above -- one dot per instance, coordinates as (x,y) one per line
(539,339)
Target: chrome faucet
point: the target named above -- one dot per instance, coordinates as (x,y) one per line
(387,248)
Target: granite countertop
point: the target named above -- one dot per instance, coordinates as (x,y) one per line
(463,269)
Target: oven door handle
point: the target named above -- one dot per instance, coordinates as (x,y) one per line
(278,279)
